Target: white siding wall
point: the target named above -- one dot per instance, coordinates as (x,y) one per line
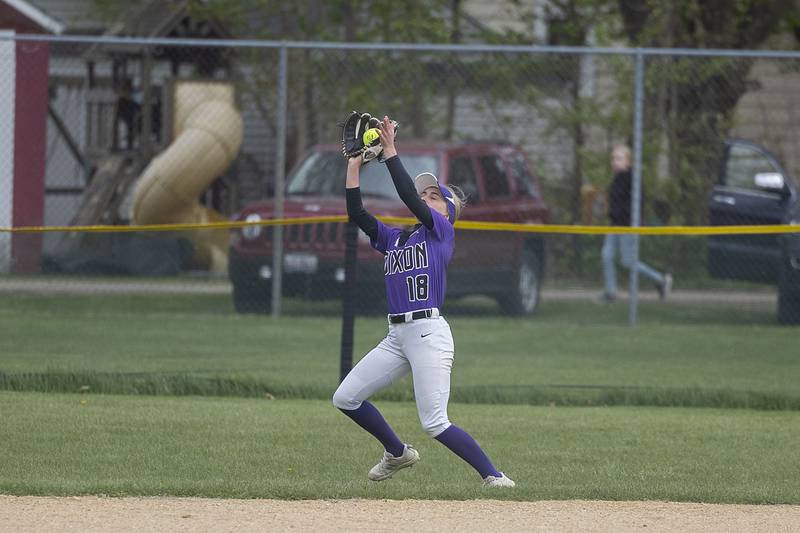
(62,169)
(7,89)
(550,152)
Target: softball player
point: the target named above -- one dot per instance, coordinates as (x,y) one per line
(419,339)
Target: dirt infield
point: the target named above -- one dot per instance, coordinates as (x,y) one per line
(90,513)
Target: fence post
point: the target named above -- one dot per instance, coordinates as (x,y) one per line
(636,184)
(280,178)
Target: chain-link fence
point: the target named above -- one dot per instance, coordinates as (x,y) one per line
(141,132)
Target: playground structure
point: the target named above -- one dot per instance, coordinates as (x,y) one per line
(162,129)
(206,139)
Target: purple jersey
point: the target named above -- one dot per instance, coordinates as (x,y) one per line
(415,272)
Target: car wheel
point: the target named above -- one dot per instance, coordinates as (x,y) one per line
(251,300)
(370,300)
(788,294)
(524,294)
(788,306)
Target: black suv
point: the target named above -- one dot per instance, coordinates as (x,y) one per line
(754,188)
(500,187)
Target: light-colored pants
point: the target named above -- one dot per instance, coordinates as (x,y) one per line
(623,244)
(424,348)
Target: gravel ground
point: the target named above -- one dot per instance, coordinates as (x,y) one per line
(90,513)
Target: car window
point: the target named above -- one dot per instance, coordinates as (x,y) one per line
(323,173)
(462,175)
(522,177)
(743,164)
(495,175)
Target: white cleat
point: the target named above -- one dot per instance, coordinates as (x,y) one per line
(390,464)
(502,481)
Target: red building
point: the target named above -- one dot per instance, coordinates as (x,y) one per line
(23,131)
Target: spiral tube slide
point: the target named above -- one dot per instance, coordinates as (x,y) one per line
(207,138)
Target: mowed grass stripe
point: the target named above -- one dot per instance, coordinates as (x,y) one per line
(69,444)
(570,354)
(579,395)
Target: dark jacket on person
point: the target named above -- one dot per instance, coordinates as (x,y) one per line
(619,199)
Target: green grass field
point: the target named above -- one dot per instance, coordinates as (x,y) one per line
(572,353)
(150,419)
(69,444)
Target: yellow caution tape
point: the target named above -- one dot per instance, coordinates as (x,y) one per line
(463,224)
(174,227)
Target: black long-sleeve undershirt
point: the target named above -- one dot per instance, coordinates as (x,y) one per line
(619,199)
(359,215)
(408,192)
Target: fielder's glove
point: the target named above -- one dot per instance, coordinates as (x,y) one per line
(353,139)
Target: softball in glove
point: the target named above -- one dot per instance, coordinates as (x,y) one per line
(360,136)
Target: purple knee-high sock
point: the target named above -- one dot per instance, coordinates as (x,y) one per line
(369,418)
(462,444)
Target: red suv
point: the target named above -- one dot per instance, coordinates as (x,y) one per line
(499,185)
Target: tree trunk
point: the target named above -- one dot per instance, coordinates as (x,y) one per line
(455,38)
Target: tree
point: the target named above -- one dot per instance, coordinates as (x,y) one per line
(695,98)
(563,78)
(324,83)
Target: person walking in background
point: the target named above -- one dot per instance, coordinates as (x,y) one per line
(619,213)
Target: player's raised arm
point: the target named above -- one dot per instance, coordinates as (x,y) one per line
(355,208)
(353,180)
(400,177)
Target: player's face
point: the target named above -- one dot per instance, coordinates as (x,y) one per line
(620,161)
(432,196)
